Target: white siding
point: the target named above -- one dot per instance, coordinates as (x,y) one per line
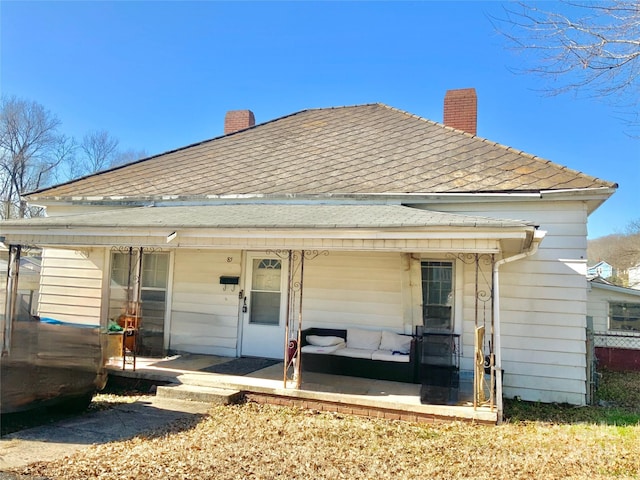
(598,300)
(543,303)
(354,289)
(543,298)
(71,285)
(204,316)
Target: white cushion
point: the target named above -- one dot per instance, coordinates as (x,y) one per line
(324,341)
(321,349)
(365,339)
(388,356)
(395,342)
(355,353)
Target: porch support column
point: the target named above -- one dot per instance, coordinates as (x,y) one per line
(287,321)
(11,296)
(295,290)
(298,364)
(411,292)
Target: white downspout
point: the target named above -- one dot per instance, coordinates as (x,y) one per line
(533,248)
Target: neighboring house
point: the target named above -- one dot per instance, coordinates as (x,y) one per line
(614,313)
(27,296)
(601,269)
(403,223)
(634,277)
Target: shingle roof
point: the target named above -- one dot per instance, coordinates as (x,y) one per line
(366,149)
(269,216)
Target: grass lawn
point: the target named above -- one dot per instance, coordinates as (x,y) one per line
(266,442)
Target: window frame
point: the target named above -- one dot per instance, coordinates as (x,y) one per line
(620,328)
(450,302)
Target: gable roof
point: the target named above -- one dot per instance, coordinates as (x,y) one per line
(365,149)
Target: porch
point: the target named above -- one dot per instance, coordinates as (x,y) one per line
(319,391)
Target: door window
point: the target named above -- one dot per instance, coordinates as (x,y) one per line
(265,291)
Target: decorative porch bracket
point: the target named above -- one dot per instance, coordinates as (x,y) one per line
(484,355)
(293,319)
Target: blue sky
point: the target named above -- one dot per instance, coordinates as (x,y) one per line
(161,75)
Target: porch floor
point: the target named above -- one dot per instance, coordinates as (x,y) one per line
(320,391)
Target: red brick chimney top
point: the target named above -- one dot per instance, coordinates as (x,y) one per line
(236,120)
(461,109)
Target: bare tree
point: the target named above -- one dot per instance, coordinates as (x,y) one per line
(621,250)
(128,156)
(30,149)
(634,227)
(100,149)
(586,46)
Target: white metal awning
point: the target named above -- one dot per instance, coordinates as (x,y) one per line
(353,227)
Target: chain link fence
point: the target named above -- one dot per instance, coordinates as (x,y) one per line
(611,339)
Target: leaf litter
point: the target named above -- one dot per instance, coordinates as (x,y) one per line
(256,441)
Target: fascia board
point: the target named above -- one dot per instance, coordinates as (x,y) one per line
(616,288)
(409,234)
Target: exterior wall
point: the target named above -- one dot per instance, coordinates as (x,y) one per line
(354,289)
(598,310)
(543,303)
(341,290)
(634,277)
(204,316)
(598,305)
(71,285)
(543,298)
(615,350)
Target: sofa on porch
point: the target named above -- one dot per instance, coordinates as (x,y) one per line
(376,354)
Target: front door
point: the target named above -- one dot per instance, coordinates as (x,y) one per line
(264,307)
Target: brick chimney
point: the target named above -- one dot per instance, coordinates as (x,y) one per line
(236,120)
(461,109)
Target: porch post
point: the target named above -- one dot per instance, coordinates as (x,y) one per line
(11,296)
(298,364)
(287,319)
(295,290)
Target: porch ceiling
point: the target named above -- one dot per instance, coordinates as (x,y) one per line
(303,225)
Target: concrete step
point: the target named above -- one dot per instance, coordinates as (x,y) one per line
(216,396)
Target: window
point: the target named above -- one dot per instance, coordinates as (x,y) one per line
(624,316)
(265,291)
(437,295)
(153,279)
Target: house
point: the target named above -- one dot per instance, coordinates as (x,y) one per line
(614,316)
(634,277)
(388,221)
(601,269)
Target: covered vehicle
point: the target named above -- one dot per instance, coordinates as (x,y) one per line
(44,360)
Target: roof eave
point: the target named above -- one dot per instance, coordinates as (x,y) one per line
(616,288)
(599,194)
